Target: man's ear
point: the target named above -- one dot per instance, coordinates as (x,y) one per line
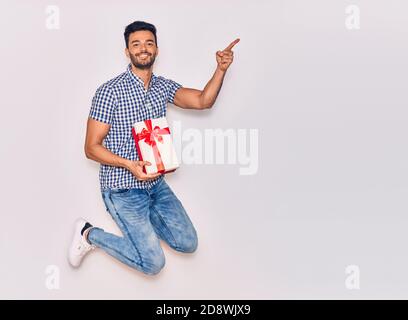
(157,51)
(127,52)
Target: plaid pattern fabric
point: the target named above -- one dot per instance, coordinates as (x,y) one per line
(121,102)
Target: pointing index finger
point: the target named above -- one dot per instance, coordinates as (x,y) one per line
(233,43)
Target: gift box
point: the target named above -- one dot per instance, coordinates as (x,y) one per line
(154,144)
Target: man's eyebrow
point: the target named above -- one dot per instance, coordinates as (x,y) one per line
(139,41)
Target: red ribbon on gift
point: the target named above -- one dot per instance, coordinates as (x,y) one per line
(150,136)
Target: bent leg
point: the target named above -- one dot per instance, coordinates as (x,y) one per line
(139,247)
(170,220)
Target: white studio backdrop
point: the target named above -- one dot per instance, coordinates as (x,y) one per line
(320,84)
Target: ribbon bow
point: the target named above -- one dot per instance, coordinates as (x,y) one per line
(149,136)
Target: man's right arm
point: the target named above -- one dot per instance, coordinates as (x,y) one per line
(96,131)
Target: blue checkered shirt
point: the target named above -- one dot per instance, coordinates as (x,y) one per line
(121,102)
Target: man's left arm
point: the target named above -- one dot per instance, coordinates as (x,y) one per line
(189,98)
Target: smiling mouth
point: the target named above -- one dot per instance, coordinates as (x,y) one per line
(143,56)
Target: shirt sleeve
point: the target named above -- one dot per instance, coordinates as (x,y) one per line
(103,105)
(172,87)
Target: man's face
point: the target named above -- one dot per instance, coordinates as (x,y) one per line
(142,49)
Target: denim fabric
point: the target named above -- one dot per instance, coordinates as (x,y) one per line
(144,216)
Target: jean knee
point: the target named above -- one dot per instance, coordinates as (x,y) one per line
(188,244)
(147,263)
(155,265)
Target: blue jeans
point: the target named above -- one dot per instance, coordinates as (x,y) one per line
(144,216)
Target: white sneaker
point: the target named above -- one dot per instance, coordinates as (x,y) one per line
(79,245)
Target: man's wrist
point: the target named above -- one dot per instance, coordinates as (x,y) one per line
(220,71)
(124,163)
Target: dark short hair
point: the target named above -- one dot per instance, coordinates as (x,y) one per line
(137,26)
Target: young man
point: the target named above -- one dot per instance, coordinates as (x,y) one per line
(143,205)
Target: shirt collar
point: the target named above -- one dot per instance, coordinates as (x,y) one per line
(137,79)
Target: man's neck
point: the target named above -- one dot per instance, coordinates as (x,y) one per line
(145,75)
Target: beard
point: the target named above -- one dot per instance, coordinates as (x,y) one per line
(143,64)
